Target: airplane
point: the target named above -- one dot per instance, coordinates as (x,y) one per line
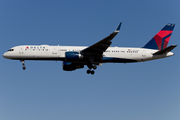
(76,57)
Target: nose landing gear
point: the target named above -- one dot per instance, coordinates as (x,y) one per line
(23,67)
(23,64)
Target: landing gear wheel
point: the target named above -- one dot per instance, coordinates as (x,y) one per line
(88,71)
(94,67)
(91,66)
(23,67)
(92,72)
(23,64)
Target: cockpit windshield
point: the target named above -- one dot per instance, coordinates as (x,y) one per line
(11,50)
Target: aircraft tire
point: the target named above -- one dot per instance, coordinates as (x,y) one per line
(23,67)
(92,72)
(88,71)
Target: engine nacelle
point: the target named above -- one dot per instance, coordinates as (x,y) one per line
(69,66)
(73,56)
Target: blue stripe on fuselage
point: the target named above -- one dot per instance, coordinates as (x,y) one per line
(118,60)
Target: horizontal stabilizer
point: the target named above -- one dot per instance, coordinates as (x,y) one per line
(165,50)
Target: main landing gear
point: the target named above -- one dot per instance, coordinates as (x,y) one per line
(23,64)
(91,71)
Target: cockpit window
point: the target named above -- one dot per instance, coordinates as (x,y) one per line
(11,50)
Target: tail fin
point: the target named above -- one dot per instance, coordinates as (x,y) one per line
(161,39)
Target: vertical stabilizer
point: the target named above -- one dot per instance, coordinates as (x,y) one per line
(161,39)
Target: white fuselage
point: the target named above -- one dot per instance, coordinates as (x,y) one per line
(112,54)
(76,57)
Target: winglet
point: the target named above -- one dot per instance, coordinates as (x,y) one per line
(118,27)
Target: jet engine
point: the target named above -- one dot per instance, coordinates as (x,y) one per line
(73,56)
(69,66)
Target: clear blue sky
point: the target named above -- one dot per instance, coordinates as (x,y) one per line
(137,91)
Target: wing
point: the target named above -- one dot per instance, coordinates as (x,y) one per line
(98,48)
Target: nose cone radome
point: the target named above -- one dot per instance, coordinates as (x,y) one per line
(5,55)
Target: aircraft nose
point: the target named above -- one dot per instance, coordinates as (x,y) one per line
(5,55)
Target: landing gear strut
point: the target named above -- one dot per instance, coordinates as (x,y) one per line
(90,66)
(23,64)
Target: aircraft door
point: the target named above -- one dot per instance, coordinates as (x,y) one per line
(21,51)
(143,53)
(54,51)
